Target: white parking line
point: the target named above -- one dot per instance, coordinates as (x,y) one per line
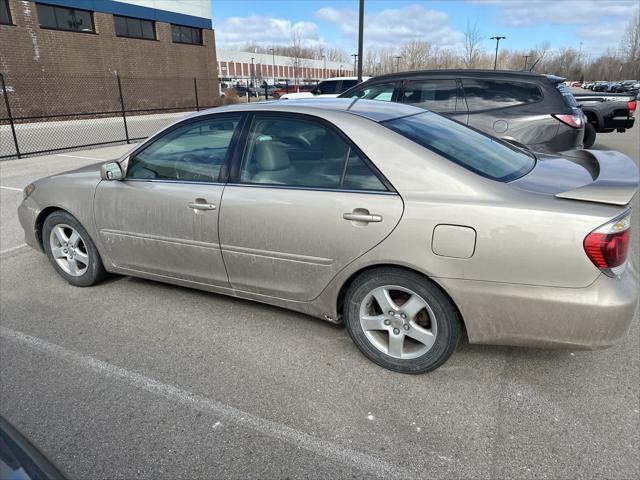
(11,188)
(278,431)
(7,250)
(78,156)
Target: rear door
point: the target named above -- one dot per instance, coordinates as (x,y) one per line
(301,204)
(440,95)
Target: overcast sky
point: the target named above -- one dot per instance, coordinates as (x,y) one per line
(525,23)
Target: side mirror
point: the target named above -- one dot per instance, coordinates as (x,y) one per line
(111,171)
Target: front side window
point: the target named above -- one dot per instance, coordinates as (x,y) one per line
(62,18)
(303,153)
(5,16)
(182,34)
(194,152)
(475,151)
(488,94)
(381,91)
(347,84)
(437,95)
(134,27)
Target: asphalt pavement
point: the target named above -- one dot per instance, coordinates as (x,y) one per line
(136,379)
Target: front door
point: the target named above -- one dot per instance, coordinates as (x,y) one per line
(163,218)
(303,203)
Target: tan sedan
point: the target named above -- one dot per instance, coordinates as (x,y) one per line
(406,226)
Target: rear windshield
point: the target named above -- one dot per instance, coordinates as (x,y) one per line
(475,151)
(567,96)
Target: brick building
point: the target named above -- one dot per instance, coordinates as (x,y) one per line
(72,50)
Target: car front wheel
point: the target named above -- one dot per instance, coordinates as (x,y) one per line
(71,251)
(401,321)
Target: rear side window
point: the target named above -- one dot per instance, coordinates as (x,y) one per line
(567,97)
(475,151)
(328,87)
(347,84)
(488,94)
(436,95)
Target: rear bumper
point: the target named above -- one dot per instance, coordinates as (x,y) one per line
(619,123)
(596,316)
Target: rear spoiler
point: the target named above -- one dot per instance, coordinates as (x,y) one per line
(615,177)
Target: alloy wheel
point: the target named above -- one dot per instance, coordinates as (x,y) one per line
(69,250)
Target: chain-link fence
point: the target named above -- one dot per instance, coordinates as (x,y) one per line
(41,114)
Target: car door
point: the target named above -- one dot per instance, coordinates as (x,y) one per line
(302,203)
(440,95)
(163,217)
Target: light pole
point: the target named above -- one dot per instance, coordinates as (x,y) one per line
(253,75)
(495,61)
(526,60)
(324,72)
(397,57)
(360,40)
(273,64)
(355,58)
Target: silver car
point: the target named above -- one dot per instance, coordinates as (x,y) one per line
(406,226)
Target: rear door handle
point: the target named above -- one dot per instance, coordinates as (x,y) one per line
(201,206)
(362,217)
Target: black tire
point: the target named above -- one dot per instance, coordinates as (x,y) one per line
(589,135)
(94,272)
(449,325)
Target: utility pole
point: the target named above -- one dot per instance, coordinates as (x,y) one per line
(497,39)
(355,59)
(324,71)
(273,59)
(526,60)
(253,76)
(397,57)
(360,40)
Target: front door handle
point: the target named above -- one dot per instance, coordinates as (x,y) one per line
(201,204)
(360,216)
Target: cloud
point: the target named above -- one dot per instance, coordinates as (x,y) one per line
(392,27)
(233,33)
(566,12)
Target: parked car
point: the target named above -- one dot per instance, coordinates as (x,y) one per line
(576,84)
(21,460)
(331,87)
(600,86)
(242,91)
(405,225)
(606,113)
(279,92)
(626,86)
(537,111)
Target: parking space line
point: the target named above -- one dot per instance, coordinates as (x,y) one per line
(7,250)
(78,156)
(11,188)
(298,439)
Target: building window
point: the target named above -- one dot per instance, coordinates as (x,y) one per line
(183,34)
(5,16)
(134,28)
(62,18)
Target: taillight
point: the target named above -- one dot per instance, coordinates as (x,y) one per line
(607,246)
(632,107)
(574,121)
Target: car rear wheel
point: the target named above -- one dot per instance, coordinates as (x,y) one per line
(401,321)
(589,135)
(71,251)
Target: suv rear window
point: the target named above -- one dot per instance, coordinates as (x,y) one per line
(475,151)
(567,97)
(486,94)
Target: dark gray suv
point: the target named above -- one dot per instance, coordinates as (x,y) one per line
(537,111)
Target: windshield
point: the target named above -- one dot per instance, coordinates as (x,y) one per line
(475,151)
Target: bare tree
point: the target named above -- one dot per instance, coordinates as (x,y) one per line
(631,47)
(472,50)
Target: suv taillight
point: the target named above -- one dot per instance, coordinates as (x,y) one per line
(632,107)
(574,121)
(607,246)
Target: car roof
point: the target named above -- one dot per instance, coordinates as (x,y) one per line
(371,109)
(468,73)
(344,78)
